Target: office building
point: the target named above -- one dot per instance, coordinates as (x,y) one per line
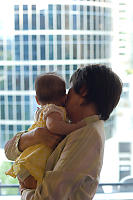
(55,36)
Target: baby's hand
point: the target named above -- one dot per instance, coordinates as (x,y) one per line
(81,124)
(28,183)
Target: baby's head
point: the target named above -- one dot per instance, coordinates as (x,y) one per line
(50,88)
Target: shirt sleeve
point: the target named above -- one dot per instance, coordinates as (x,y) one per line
(53,108)
(79,159)
(11,147)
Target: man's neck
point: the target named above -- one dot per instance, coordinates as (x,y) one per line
(85,111)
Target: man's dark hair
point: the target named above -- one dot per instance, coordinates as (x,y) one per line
(49,87)
(102,85)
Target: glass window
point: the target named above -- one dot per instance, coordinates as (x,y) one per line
(26,47)
(25,7)
(17,48)
(74,68)
(59,45)
(67,45)
(25,21)
(42,46)
(27,108)
(74,47)
(66,17)
(26,77)
(125,170)
(43,68)
(2,136)
(50,47)
(19,128)
(107,19)
(82,46)
(51,68)
(34,74)
(33,21)
(18,107)
(16,7)
(88,17)
(11,133)
(125,147)
(26,127)
(16,21)
(18,78)
(67,75)
(34,48)
(95,53)
(58,16)
(26,57)
(1,50)
(33,7)
(42,20)
(81,18)
(59,69)
(9,50)
(2,77)
(94,17)
(10,108)
(74,18)
(2,107)
(88,46)
(50,10)
(10,75)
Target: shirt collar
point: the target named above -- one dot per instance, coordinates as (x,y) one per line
(92,119)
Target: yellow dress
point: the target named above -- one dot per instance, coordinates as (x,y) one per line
(34,158)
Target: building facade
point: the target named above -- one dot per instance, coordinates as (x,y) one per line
(59,36)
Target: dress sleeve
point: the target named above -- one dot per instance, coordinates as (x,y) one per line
(79,159)
(11,147)
(53,108)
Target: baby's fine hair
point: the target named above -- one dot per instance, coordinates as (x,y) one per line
(103,87)
(50,87)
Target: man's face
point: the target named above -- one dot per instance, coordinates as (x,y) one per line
(72,105)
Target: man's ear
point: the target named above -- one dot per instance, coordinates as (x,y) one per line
(83,91)
(37,100)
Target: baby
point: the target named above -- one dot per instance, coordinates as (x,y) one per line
(51,96)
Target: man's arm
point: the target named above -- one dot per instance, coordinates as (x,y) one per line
(11,147)
(23,140)
(78,160)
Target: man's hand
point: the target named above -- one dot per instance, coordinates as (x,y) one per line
(49,139)
(28,183)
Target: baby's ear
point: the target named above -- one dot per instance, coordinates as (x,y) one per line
(37,100)
(64,98)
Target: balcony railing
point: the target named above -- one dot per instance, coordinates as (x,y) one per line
(105,191)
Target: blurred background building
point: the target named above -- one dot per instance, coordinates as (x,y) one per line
(119,148)
(44,37)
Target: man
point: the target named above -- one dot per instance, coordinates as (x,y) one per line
(73,169)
